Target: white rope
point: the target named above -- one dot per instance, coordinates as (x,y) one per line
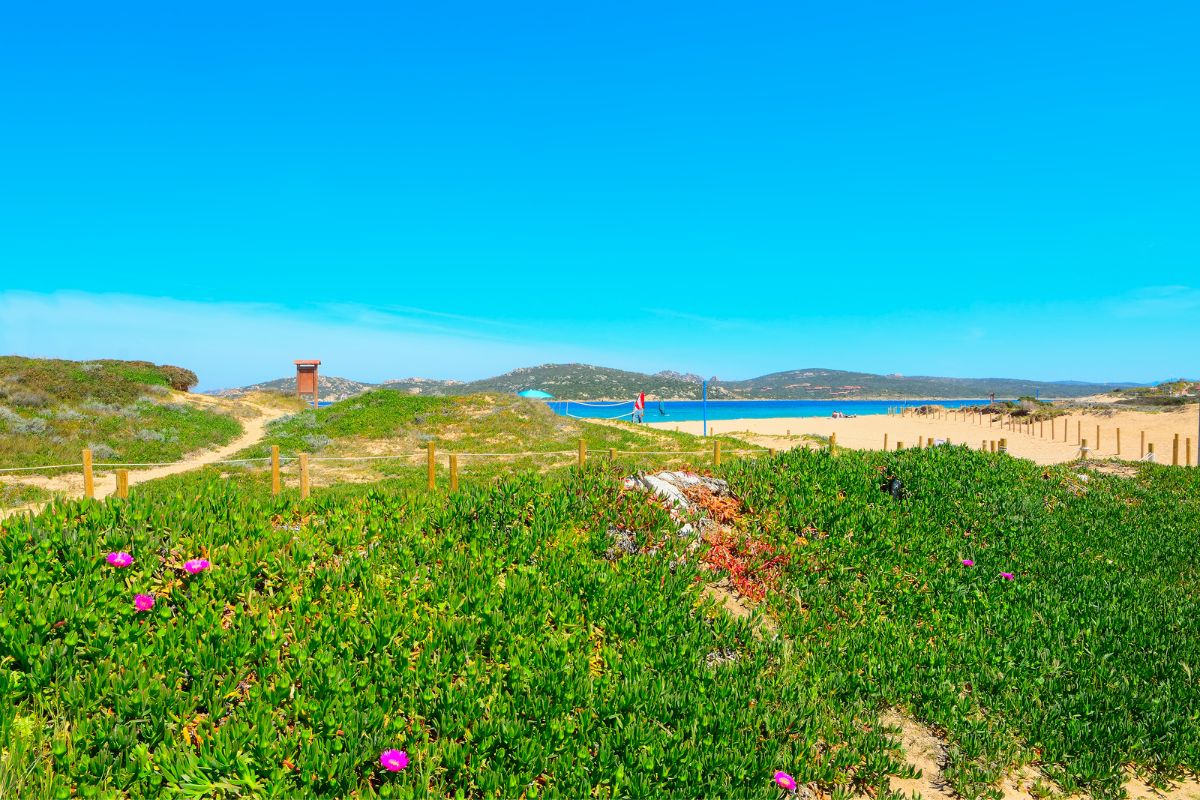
(51,466)
(534,453)
(110,465)
(619,416)
(600,405)
(411,455)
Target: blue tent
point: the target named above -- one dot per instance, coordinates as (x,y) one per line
(536,394)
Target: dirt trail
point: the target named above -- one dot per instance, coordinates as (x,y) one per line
(254,419)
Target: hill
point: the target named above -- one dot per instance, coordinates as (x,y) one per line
(330,387)
(427,386)
(589,382)
(383,423)
(51,409)
(818,384)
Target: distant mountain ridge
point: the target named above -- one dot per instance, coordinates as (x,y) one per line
(329,387)
(589,382)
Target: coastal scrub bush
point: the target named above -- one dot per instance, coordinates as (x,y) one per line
(178,378)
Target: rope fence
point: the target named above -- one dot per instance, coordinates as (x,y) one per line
(276,460)
(1181,451)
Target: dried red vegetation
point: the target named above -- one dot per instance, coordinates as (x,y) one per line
(753,565)
(724,510)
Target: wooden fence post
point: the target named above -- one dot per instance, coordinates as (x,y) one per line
(885,443)
(123,484)
(1083,448)
(1142,451)
(276,485)
(993,445)
(453,472)
(1052,428)
(717,452)
(920,442)
(1097,437)
(899,446)
(1149,451)
(1003,445)
(1175,452)
(1042,428)
(1078,431)
(582,452)
(771,452)
(89,482)
(612,454)
(430,465)
(832,442)
(1118,441)
(1188,450)
(304,476)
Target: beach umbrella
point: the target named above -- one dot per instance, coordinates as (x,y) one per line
(536,394)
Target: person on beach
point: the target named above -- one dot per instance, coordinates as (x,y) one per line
(639,408)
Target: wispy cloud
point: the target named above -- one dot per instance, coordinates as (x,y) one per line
(1153,301)
(232,343)
(712,323)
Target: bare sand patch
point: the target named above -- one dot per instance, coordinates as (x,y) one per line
(1044,443)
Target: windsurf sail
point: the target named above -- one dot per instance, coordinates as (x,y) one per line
(662,411)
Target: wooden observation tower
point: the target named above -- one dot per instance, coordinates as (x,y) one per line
(306,378)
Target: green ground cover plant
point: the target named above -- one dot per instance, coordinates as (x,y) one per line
(1033,615)
(13,493)
(483,634)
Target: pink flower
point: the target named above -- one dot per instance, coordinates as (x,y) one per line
(143,602)
(120,559)
(197,565)
(394,760)
(1008,576)
(785,781)
(968,562)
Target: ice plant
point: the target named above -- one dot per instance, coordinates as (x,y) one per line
(197,565)
(968,562)
(1008,576)
(143,602)
(785,781)
(394,760)
(120,559)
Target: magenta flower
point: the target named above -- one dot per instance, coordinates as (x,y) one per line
(143,602)
(1008,576)
(197,565)
(968,562)
(394,760)
(785,781)
(120,559)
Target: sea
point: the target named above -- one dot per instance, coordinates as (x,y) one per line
(689,410)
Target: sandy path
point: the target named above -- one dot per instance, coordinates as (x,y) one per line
(1036,444)
(254,420)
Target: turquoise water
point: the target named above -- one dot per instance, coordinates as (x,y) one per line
(688,410)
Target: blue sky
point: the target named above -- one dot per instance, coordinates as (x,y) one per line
(458,189)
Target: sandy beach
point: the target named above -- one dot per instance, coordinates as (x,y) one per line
(1035,443)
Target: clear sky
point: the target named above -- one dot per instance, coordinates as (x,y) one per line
(456,189)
